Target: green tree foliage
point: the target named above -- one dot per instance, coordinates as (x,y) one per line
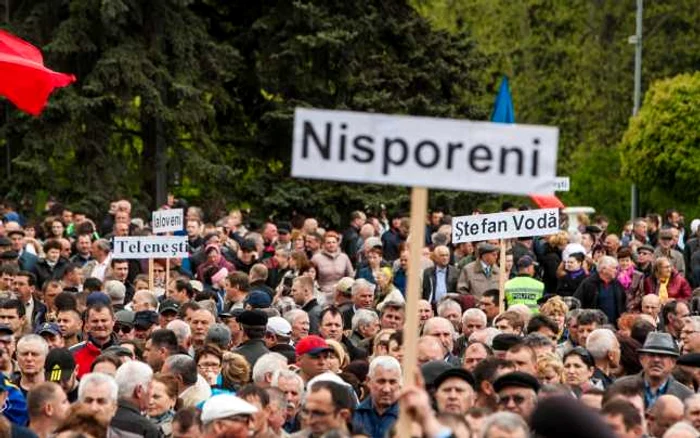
(215,83)
(660,148)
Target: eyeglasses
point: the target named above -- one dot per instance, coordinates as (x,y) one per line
(517,399)
(122,328)
(208,365)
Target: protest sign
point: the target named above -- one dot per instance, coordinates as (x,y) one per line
(424,152)
(164,221)
(149,247)
(561,184)
(505,225)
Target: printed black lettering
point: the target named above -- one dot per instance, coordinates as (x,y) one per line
(388,159)
(480,152)
(310,134)
(529,223)
(419,155)
(504,156)
(362,144)
(474,229)
(535,158)
(451,148)
(458,229)
(518,222)
(343,127)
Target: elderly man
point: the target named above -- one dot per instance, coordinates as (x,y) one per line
(603,291)
(667,411)
(200,321)
(378,412)
(517,393)
(254,325)
(292,386)
(365,324)
(362,298)
(651,305)
(443,331)
(690,335)
(665,249)
(505,424)
(31,358)
(692,410)
(429,349)
(658,357)
(441,279)
(425,311)
(474,354)
(481,274)
(454,391)
(192,388)
(227,415)
(605,349)
(299,320)
(451,311)
(99,392)
(134,381)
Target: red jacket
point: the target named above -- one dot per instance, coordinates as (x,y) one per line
(85,353)
(677,288)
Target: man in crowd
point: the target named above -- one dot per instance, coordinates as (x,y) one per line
(378,412)
(48,407)
(99,327)
(441,279)
(481,274)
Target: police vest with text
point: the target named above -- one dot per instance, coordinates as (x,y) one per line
(524,290)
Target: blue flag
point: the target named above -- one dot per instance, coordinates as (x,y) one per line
(503,111)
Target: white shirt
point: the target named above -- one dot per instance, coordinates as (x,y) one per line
(101,268)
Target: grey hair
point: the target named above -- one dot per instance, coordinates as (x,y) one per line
(535,340)
(575,236)
(293,314)
(607,261)
(184,366)
(131,375)
(103,245)
(386,362)
(488,332)
(680,427)
(181,329)
(149,296)
(116,291)
(507,421)
(446,305)
(267,364)
(360,284)
(689,401)
(363,317)
(600,342)
(430,322)
(474,313)
(220,335)
(94,379)
(287,374)
(695,321)
(26,339)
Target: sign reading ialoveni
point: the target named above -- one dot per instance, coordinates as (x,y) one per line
(424,152)
(505,225)
(562,184)
(149,247)
(167,220)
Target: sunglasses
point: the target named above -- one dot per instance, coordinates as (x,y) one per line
(122,328)
(517,399)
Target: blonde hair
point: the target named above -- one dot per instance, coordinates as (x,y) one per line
(554,306)
(235,369)
(339,351)
(559,239)
(547,361)
(381,333)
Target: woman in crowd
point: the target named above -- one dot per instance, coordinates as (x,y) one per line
(209,363)
(631,279)
(332,264)
(578,369)
(386,291)
(161,407)
(574,276)
(666,282)
(550,369)
(551,259)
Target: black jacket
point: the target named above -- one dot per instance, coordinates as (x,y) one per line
(130,420)
(45,272)
(252,350)
(567,285)
(587,293)
(430,282)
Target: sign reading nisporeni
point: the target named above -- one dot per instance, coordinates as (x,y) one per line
(505,225)
(425,152)
(149,247)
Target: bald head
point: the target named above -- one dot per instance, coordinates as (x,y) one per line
(429,349)
(667,410)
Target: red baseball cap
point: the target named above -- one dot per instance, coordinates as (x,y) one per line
(312,345)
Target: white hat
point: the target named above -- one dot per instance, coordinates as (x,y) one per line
(224,406)
(279,326)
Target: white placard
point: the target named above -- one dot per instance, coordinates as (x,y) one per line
(505,225)
(424,152)
(149,247)
(562,184)
(163,221)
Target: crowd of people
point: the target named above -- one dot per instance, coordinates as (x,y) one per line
(287,329)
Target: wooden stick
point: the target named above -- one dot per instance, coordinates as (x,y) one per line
(502,279)
(151,279)
(167,274)
(419,208)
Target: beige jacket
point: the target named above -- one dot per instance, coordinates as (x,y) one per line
(473,281)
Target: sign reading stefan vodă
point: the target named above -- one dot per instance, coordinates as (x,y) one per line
(505,225)
(424,152)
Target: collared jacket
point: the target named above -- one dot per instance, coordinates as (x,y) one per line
(430,282)
(129,419)
(588,292)
(252,350)
(375,425)
(673,387)
(331,267)
(85,353)
(473,280)
(677,287)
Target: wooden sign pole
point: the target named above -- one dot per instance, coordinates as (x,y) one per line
(419,210)
(151,279)
(502,278)
(167,275)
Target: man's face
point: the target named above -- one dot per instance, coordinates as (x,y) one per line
(30,358)
(54,341)
(100,324)
(403,260)
(425,312)
(584,330)
(454,396)
(643,257)
(657,366)
(260,417)
(443,333)
(52,290)
(312,244)
(455,317)
(490,258)
(6,281)
(680,316)
(313,365)
(429,351)
(690,339)
(140,303)
(69,323)
(301,326)
(99,400)
(17,242)
(321,413)
(364,298)
(369,330)
(473,356)
(292,394)
(193,432)
(504,326)
(298,293)
(384,386)
(617,424)
(199,324)
(11,318)
(192,229)
(270,233)
(520,401)
(488,306)
(442,256)
(472,324)
(651,305)
(392,319)
(523,361)
(22,288)
(692,412)
(121,271)
(332,326)
(60,405)
(83,244)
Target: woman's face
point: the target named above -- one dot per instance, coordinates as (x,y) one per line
(57,228)
(311,273)
(572,264)
(381,348)
(382,280)
(509,262)
(209,367)
(625,263)
(331,244)
(160,402)
(334,362)
(550,376)
(213,256)
(30,232)
(576,373)
(299,243)
(560,318)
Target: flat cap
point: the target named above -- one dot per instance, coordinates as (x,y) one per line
(504,341)
(224,406)
(689,360)
(456,373)
(145,318)
(486,248)
(254,317)
(169,306)
(516,379)
(258,299)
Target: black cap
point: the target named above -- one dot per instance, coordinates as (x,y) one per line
(248,245)
(593,229)
(431,370)
(144,319)
(6,329)
(504,341)
(169,306)
(9,255)
(59,365)
(525,262)
(689,360)
(4,241)
(458,373)
(516,379)
(284,227)
(17,231)
(253,318)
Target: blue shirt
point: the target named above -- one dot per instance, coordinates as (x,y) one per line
(375,425)
(440,284)
(651,397)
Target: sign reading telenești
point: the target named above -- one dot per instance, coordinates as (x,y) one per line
(149,247)
(505,225)
(167,220)
(424,152)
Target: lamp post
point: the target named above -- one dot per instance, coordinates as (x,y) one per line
(637,41)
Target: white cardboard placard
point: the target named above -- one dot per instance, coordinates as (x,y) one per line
(505,225)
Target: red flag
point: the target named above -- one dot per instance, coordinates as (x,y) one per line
(23,78)
(547,201)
